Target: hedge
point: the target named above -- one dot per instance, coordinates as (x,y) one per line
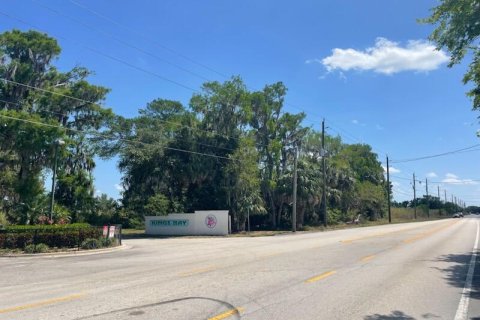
(59,236)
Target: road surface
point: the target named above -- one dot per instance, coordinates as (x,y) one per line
(423,270)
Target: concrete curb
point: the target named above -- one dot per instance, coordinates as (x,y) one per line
(61,254)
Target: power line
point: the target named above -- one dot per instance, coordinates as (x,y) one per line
(158,44)
(96,104)
(437,155)
(106,18)
(108,56)
(125,43)
(179,139)
(103,135)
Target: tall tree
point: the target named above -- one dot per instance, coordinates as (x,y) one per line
(31,84)
(457,30)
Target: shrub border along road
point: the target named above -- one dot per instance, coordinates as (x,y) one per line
(57,238)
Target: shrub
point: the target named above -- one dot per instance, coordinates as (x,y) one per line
(107,242)
(39,248)
(61,236)
(3,220)
(91,243)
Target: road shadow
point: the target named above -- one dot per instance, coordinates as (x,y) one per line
(456,274)
(141,309)
(398,315)
(394,315)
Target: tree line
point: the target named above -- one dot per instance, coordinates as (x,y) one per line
(229,148)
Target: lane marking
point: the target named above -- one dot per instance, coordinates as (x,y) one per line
(462,311)
(428,233)
(196,271)
(227,314)
(43,303)
(321,276)
(367,258)
(381,234)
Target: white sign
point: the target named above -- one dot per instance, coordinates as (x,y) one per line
(198,223)
(111,233)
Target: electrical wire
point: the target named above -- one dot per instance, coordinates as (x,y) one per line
(103,135)
(179,139)
(123,42)
(152,40)
(436,155)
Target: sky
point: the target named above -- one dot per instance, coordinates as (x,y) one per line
(366,67)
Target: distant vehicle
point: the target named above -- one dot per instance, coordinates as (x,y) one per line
(457,215)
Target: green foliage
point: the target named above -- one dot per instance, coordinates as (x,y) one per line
(3,220)
(27,146)
(457,30)
(61,236)
(157,205)
(38,248)
(241,145)
(107,242)
(91,243)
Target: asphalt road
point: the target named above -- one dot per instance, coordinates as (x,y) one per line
(422,270)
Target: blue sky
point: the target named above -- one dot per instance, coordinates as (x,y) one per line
(364,66)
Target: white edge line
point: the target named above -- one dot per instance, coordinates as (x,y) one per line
(462,311)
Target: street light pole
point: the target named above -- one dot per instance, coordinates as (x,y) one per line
(58,142)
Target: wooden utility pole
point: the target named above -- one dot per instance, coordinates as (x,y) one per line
(324,171)
(388,192)
(428,202)
(294,209)
(438,189)
(414,198)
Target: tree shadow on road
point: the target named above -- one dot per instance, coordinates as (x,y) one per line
(398,315)
(456,274)
(394,315)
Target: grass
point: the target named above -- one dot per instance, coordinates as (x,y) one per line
(399,215)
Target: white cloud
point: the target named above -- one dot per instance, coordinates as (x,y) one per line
(119,187)
(432,175)
(454,179)
(354,121)
(391,169)
(386,57)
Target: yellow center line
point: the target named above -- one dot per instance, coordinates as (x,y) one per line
(196,271)
(348,241)
(43,303)
(428,233)
(367,258)
(227,314)
(321,276)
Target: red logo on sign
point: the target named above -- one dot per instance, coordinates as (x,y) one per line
(211,221)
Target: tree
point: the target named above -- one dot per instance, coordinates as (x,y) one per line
(35,89)
(457,30)
(244,184)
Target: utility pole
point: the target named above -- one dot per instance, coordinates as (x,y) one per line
(445,191)
(428,202)
(438,189)
(324,171)
(452,198)
(414,198)
(388,192)
(58,143)
(294,210)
